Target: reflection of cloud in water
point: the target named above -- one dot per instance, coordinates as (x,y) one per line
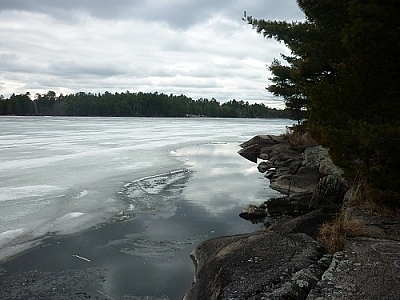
(222,179)
(156,195)
(218,180)
(227,170)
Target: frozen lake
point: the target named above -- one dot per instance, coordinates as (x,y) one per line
(62,176)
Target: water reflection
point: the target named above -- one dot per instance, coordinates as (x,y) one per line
(223,180)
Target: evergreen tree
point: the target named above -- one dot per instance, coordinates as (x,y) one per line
(343,72)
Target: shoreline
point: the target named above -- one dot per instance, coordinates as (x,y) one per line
(255,265)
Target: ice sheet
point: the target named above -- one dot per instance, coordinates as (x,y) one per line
(62,175)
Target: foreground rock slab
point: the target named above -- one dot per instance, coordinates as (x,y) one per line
(366,269)
(260,265)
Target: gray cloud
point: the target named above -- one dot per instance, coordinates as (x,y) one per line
(198,48)
(177,13)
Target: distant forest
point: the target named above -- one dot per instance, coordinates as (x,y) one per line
(131,105)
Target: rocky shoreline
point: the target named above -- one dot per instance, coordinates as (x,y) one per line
(285,261)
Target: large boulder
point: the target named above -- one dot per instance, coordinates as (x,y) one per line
(259,265)
(259,147)
(263,140)
(250,152)
(255,213)
(304,180)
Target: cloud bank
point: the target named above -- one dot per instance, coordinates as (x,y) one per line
(196,48)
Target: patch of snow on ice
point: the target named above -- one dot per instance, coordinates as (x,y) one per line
(9,235)
(71,215)
(13,193)
(82,194)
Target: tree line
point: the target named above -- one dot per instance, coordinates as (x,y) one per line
(341,82)
(128,104)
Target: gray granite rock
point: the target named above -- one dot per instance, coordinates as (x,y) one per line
(367,269)
(307,176)
(263,140)
(330,189)
(259,265)
(253,212)
(250,152)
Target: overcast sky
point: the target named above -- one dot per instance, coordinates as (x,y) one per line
(199,48)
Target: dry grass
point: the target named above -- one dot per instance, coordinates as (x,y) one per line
(333,235)
(383,203)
